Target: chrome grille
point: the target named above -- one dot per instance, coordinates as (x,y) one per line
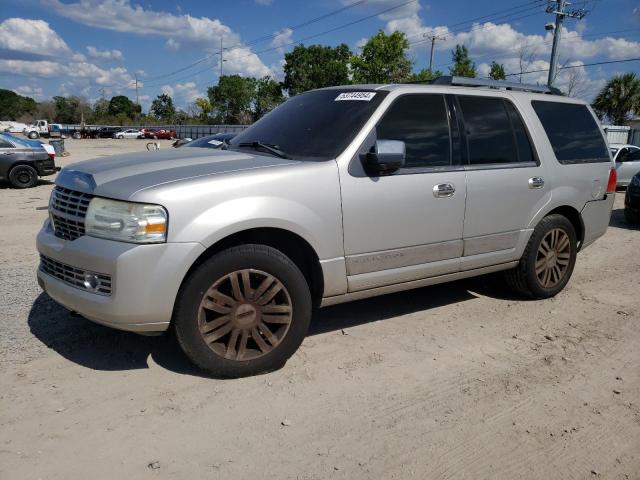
(68,209)
(76,276)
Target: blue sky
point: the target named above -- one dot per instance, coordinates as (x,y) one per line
(53,47)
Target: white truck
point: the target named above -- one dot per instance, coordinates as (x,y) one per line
(42,128)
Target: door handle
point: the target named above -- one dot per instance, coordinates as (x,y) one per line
(444,190)
(536,182)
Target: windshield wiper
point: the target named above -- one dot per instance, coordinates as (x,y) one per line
(265,146)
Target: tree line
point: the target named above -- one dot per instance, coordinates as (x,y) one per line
(242,100)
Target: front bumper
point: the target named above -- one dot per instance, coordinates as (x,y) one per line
(145,279)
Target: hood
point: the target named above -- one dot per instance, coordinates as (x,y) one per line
(121,176)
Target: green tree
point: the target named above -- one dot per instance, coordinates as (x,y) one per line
(619,98)
(268,95)
(204,108)
(497,71)
(13,105)
(316,66)
(70,109)
(122,105)
(232,99)
(463,66)
(383,59)
(100,111)
(163,109)
(424,75)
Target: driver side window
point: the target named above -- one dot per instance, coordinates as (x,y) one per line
(622,156)
(421,122)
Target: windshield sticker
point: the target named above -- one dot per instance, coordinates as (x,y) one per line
(361,96)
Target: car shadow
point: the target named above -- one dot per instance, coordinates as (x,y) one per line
(4,185)
(618,221)
(101,348)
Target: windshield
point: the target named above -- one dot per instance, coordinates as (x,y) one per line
(315,126)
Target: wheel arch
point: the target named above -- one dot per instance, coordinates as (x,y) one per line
(574,217)
(289,243)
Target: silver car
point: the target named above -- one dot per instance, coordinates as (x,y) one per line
(627,161)
(336,195)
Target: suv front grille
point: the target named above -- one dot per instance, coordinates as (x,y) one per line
(68,209)
(76,277)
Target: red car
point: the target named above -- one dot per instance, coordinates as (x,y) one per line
(160,133)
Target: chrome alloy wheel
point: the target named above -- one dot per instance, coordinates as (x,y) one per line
(553,258)
(245,314)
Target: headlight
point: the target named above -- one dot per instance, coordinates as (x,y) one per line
(126,221)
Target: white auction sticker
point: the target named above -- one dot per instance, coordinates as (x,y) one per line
(362,96)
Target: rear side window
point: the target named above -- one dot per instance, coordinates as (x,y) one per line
(572,131)
(490,136)
(5,144)
(421,122)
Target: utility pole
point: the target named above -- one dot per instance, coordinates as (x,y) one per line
(101,90)
(433,37)
(221,58)
(137,98)
(558,8)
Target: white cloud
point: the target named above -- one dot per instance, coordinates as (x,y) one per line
(244,62)
(105,54)
(282,39)
(43,68)
(31,36)
(187,92)
(29,91)
(167,90)
(172,44)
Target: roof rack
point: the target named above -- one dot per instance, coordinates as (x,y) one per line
(479,82)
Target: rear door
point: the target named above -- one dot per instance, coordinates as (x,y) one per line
(506,183)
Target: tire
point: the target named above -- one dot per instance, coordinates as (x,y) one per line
(631,217)
(23,176)
(119,137)
(524,278)
(229,323)
(33,135)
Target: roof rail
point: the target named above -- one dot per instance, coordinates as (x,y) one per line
(480,82)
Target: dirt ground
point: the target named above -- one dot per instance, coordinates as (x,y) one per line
(461,380)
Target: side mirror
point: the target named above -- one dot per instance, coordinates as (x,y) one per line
(386,156)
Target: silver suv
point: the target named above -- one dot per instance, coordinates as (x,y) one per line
(338,194)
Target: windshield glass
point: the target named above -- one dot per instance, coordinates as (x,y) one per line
(316,125)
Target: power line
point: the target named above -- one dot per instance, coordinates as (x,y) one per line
(263,38)
(576,66)
(560,11)
(339,27)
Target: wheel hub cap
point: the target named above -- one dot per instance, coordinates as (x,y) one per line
(245,314)
(553,257)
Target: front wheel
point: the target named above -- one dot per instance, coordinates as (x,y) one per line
(548,260)
(76,135)
(244,311)
(33,135)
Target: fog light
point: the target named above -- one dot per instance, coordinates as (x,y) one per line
(90,281)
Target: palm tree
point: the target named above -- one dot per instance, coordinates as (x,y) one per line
(619,98)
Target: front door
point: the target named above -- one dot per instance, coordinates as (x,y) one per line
(406,225)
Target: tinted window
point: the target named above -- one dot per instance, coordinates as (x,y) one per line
(420,121)
(525,152)
(634,155)
(316,125)
(572,131)
(488,128)
(5,144)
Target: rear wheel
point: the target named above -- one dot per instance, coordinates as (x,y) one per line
(244,311)
(23,176)
(548,260)
(33,135)
(76,135)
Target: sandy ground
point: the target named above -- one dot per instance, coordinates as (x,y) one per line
(456,381)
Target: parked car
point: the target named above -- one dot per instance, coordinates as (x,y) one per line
(338,194)
(42,128)
(160,133)
(632,200)
(129,133)
(23,161)
(105,132)
(216,141)
(627,159)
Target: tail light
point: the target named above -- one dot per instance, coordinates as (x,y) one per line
(613,181)
(52,156)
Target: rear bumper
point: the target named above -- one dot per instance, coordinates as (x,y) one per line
(145,279)
(595,217)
